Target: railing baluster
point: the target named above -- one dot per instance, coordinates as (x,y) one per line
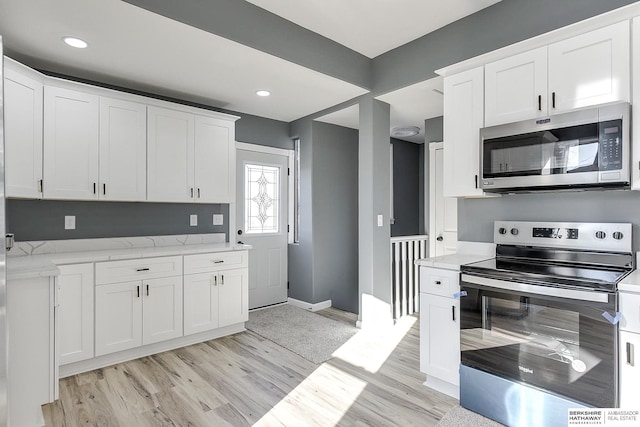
(405,273)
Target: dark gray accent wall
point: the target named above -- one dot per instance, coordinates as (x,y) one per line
(335,215)
(44,219)
(406,188)
(253,26)
(262,131)
(476,216)
(499,25)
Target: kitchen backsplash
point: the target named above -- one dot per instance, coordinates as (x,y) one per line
(78,245)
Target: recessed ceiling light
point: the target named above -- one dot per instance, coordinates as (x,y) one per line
(403,132)
(75,42)
(263,93)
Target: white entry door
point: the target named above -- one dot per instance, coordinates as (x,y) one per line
(261,221)
(443,211)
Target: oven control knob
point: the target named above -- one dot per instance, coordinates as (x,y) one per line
(601,234)
(502,230)
(617,235)
(514,231)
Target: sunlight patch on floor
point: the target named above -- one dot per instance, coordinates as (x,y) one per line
(310,404)
(369,349)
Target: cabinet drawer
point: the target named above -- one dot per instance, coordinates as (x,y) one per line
(439,282)
(630,309)
(137,269)
(204,263)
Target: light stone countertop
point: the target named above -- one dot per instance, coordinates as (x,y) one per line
(24,267)
(468,252)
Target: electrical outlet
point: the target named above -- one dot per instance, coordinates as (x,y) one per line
(218,219)
(69,222)
(193,220)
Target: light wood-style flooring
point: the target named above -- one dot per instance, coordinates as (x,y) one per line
(244,379)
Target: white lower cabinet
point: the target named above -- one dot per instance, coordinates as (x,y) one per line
(217,297)
(75,321)
(629,351)
(161,309)
(440,329)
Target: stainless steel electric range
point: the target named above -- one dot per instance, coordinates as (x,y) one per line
(539,321)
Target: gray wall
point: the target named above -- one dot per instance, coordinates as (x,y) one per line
(476,216)
(406,188)
(335,215)
(44,219)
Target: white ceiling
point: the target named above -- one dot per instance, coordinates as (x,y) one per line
(410,106)
(132,47)
(372,27)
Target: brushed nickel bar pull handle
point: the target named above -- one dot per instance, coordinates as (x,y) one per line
(94,188)
(539,102)
(104,188)
(476,181)
(553,99)
(138,290)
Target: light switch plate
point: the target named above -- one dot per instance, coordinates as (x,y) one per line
(193,220)
(380,221)
(218,219)
(69,222)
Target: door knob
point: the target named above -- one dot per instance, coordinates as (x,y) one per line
(439,238)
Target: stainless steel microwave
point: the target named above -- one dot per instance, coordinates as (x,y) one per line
(587,148)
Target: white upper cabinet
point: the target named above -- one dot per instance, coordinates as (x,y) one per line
(70,144)
(214,155)
(170,139)
(190,157)
(463,118)
(23,132)
(516,87)
(635,117)
(590,69)
(123,150)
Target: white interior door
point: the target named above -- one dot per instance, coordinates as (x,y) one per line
(443,211)
(261,221)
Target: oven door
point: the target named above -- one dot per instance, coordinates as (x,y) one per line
(552,339)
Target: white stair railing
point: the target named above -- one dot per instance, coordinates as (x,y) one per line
(404,273)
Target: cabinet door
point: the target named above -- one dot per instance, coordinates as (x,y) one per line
(463,118)
(123,150)
(440,337)
(214,159)
(233,288)
(118,317)
(629,369)
(70,144)
(635,117)
(162,309)
(23,135)
(200,302)
(75,324)
(169,155)
(516,87)
(590,69)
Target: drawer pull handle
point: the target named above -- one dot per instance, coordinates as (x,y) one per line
(630,355)
(438,282)
(143,269)
(217,261)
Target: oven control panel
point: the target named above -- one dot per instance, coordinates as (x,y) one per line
(569,235)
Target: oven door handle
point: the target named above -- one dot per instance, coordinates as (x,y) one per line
(535,289)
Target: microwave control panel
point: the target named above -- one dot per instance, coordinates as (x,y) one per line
(610,149)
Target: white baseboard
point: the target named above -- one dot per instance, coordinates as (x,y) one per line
(308,306)
(442,386)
